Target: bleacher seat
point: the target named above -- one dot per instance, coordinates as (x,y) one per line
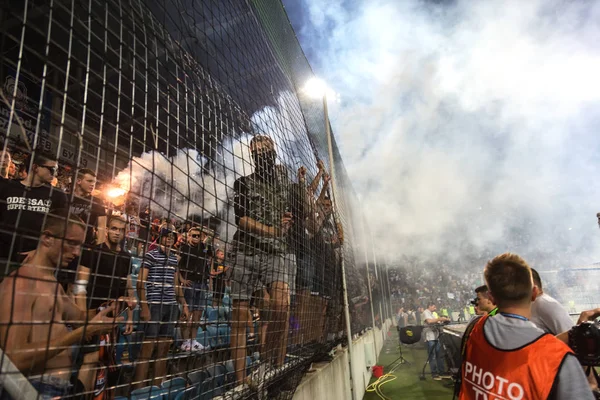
(225,333)
(188,394)
(172,387)
(224,313)
(207,389)
(203,338)
(197,377)
(211,333)
(229,370)
(147,393)
(218,373)
(210,388)
(227,301)
(136,264)
(218,336)
(212,314)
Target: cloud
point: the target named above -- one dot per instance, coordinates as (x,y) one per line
(469,128)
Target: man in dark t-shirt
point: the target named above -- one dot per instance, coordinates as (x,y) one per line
(195,271)
(90,209)
(109,268)
(24,205)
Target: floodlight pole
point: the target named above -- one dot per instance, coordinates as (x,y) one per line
(334,208)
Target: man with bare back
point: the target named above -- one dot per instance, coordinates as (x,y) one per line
(34,310)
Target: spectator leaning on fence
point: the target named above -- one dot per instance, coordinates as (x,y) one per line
(261,267)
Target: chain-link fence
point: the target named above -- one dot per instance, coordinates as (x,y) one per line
(169,225)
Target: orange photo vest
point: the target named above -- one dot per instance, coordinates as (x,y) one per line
(526,373)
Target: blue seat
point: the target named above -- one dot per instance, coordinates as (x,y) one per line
(197,377)
(229,371)
(224,334)
(211,334)
(172,387)
(227,300)
(136,264)
(208,389)
(203,338)
(212,314)
(224,313)
(148,392)
(188,394)
(219,335)
(217,372)
(229,367)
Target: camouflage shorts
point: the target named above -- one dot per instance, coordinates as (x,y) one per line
(251,273)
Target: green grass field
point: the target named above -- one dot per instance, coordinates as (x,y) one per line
(407,384)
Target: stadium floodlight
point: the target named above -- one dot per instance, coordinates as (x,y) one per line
(316,88)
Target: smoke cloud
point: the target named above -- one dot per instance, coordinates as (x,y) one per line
(469,128)
(181,186)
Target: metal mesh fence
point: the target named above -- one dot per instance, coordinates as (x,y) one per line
(169,227)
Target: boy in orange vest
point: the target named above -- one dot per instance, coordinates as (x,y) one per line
(507,356)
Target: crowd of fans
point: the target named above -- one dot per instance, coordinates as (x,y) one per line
(122,275)
(415,284)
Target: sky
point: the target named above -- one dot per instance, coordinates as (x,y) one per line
(468,128)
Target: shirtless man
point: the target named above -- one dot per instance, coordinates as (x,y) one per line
(34,310)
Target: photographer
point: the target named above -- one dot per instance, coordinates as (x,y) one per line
(501,354)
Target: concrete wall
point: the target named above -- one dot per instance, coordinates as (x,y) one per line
(332,380)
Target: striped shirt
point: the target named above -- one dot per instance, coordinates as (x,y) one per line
(160,284)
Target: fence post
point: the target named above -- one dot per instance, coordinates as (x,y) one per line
(334,206)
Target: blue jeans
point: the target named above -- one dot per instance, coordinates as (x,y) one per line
(52,388)
(436,361)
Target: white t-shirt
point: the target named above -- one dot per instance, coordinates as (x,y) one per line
(550,316)
(428,333)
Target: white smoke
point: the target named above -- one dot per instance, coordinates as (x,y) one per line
(469,128)
(181,186)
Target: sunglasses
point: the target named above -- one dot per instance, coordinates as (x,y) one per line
(53,170)
(195,236)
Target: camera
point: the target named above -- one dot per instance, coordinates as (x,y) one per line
(584,340)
